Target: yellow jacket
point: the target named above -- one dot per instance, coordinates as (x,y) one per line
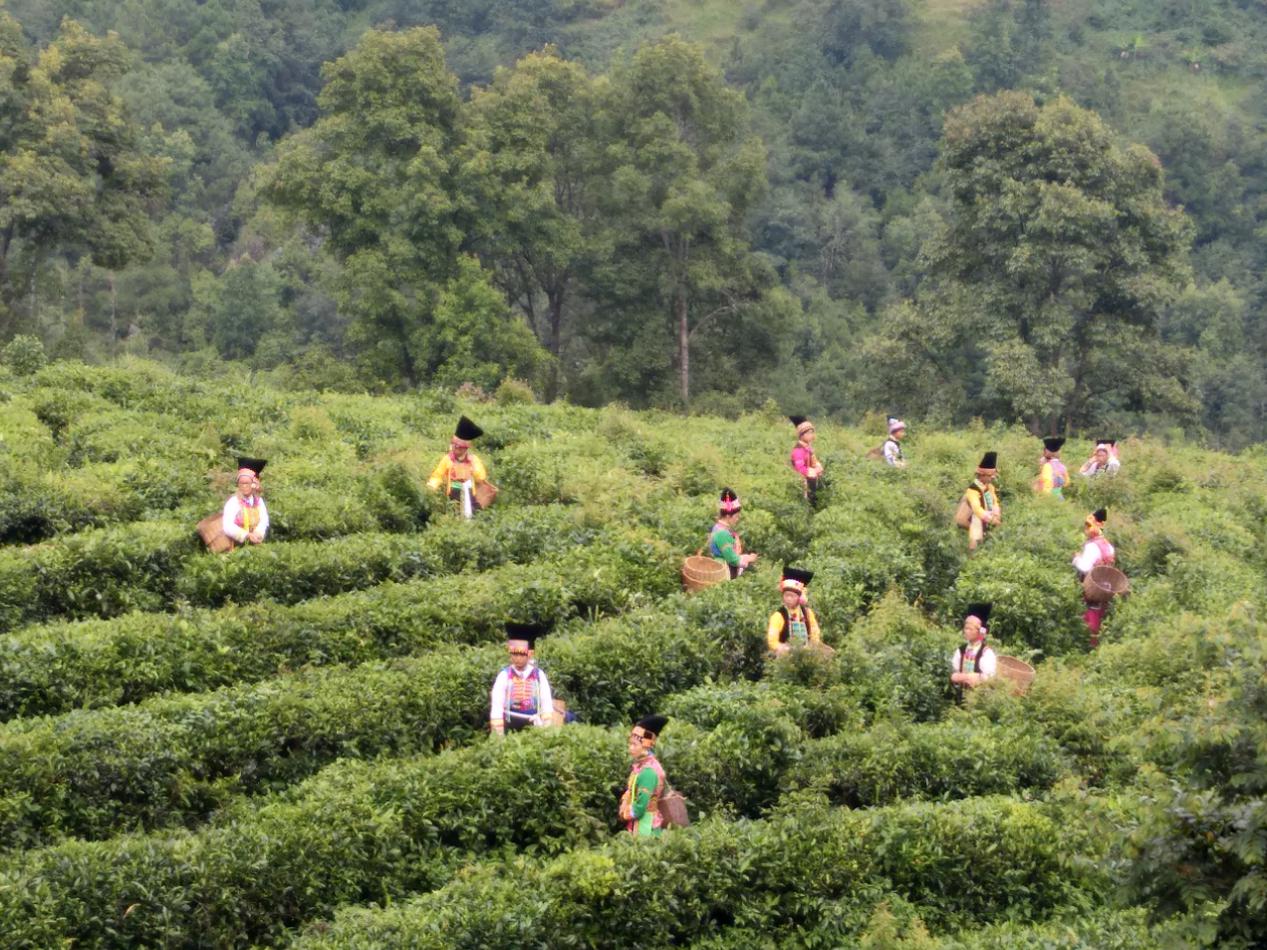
(774,632)
(981,499)
(454,472)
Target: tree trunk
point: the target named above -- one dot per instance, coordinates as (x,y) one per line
(683,345)
(555,300)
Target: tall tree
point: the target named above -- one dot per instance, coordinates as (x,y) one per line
(72,174)
(530,162)
(684,173)
(1062,242)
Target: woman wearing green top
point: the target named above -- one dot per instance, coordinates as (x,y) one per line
(640,805)
(724,542)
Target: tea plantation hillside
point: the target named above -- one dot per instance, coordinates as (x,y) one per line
(286,745)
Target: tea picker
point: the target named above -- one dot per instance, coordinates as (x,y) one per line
(975,662)
(1052,474)
(724,542)
(1096,553)
(794,623)
(803,459)
(460,472)
(244,517)
(648,804)
(521,693)
(979,508)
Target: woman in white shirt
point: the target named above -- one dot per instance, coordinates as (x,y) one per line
(974,662)
(245,517)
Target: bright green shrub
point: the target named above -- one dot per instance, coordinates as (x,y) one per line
(956,759)
(173,758)
(104,662)
(779,874)
(1037,602)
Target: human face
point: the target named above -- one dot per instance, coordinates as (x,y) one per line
(987,478)
(459,449)
(636,749)
(972,629)
(791,599)
(520,655)
(808,436)
(899,434)
(246,486)
(1102,455)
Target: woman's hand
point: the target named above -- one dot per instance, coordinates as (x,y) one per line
(746,559)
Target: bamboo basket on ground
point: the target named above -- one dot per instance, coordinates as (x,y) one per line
(1103,583)
(1017,672)
(700,573)
(211,530)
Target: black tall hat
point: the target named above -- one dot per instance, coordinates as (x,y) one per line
(980,611)
(1106,441)
(528,632)
(1053,443)
(798,574)
(989,461)
(467,430)
(252,465)
(1101,515)
(651,725)
(797,420)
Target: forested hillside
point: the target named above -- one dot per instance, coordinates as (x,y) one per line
(286,744)
(666,203)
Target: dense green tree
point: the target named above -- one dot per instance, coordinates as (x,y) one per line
(684,172)
(73,176)
(1063,243)
(530,162)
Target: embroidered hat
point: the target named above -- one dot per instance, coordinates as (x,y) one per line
(802,424)
(250,466)
(895,424)
(980,611)
(795,579)
(467,430)
(989,464)
(730,502)
(1053,443)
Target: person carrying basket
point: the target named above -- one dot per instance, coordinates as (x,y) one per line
(1095,551)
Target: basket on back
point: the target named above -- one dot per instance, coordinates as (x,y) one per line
(1019,673)
(700,572)
(1103,583)
(211,530)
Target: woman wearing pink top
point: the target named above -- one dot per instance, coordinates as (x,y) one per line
(803,458)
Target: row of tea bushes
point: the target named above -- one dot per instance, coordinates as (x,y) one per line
(59,667)
(147,566)
(789,873)
(174,759)
(362,831)
(961,758)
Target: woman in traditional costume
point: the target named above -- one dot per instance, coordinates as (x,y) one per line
(724,542)
(245,517)
(793,624)
(983,500)
(640,804)
(892,448)
(460,470)
(974,662)
(804,461)
(1095,551)
(1052,474)
(521,695)
(1103,461)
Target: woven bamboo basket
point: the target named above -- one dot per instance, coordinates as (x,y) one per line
(1019,673)
(211,530)
(485,494)
(1103,583)
(699,572)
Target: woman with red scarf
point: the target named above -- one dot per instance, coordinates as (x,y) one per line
(459,471)
(1096,551)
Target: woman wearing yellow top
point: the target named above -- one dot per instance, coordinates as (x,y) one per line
(793,624)
(459,471)
(983,500)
